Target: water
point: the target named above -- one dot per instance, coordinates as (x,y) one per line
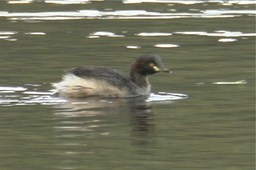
(202,116)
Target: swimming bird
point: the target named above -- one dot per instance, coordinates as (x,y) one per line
(100,81)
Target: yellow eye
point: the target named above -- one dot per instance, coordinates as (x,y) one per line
(154,67)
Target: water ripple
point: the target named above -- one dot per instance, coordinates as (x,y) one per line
(121,14)
(153,34)
(190,2)
(11,96)
(103,34)
(219,33)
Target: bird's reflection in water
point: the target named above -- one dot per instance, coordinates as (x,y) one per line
(83,125)
(95,106)
(142,124)
(137,110)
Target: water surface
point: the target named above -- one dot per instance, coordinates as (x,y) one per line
(203,117)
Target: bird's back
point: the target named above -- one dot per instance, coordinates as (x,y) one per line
(89,81)
(101,73)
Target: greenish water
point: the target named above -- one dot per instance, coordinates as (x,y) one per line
(209,46)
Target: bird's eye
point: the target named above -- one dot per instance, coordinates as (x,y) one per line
(152,65)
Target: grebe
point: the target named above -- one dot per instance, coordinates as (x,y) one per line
(90,81)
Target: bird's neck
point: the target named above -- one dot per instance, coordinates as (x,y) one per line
(139,79)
